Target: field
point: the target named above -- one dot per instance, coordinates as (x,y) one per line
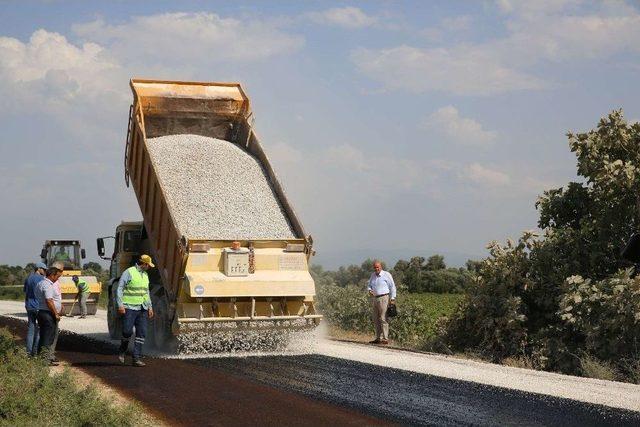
(435,305)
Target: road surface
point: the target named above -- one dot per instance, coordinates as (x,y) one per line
(335,386)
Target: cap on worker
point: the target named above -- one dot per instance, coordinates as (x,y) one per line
(74,278)
(58,265)
(41,265)
(146,259)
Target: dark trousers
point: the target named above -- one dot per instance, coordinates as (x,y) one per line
(137,319)
(47,325)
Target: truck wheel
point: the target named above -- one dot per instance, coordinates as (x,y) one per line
(114,320)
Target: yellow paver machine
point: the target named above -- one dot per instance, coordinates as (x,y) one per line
(208,295)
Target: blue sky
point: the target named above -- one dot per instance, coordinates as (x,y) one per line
(410,127)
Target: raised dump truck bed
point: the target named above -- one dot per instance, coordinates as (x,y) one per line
(272,281)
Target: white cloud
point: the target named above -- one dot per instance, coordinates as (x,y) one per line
(457,23)
(49,69)
(463,70)
(483,175)
(461,130)
(536,32)
(284,153)
(346,17)
(538,7)
(349,157)
(200,38)
(377,170)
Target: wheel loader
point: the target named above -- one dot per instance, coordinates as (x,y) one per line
(70,253)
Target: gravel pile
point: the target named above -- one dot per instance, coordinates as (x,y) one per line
(216,191)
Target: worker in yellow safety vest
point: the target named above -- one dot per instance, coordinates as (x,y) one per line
(134,303)
(83,295)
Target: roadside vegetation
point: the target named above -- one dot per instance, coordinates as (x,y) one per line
(561,300)
(31,395)
(12,279)
(566,301)
(343,299)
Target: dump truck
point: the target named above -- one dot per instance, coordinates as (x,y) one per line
(207,291)
(70,253)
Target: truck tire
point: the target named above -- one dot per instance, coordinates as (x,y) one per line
(114,320)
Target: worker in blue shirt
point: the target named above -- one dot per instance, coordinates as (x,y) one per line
(382,290)
(31,305)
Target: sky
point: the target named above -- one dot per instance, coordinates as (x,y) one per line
(397,128)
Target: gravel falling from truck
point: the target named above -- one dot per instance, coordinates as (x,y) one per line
(230,338)
(216,191)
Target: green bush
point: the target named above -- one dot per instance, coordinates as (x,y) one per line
(604,316)
(30,395)
(490,319)
(349,308)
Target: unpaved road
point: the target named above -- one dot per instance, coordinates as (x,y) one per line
(317,389)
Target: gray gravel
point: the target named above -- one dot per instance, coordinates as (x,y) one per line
(234,338)
(216,190)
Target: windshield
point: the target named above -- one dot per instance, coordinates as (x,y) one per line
(131,241)
(67,254)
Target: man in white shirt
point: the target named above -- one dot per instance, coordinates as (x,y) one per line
(49,311)
(382,290)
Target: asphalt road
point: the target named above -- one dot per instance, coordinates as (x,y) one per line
(317,390)
(416,399)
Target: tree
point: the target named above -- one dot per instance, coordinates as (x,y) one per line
(92,266)
(522,288)
(435,262)
(473,266)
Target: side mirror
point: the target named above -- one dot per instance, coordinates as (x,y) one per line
(83,253)
(100,242)
(43,253)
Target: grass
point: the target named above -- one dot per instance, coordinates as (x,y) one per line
(594,368)
(32,395)
(436,305)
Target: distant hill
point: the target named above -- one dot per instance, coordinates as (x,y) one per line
(332,259)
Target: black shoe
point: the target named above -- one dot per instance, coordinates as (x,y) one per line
(376,341)
(138,363)
(121,357)
(53,363)
(55,359)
